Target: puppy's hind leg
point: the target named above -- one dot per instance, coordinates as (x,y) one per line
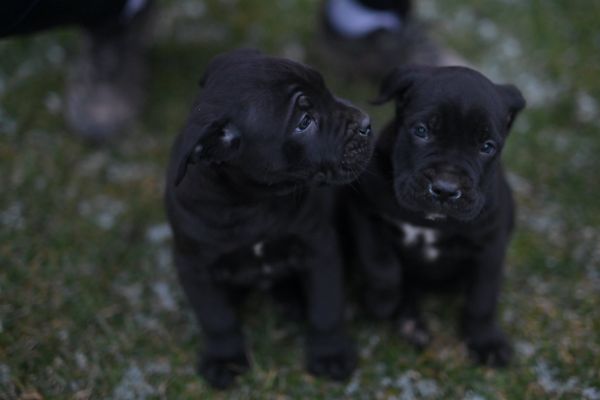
(224,356)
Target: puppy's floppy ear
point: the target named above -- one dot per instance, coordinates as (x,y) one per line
(514,101)
(214,142)
(398,81)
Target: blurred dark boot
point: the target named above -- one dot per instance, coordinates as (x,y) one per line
(361,41)
(104,89)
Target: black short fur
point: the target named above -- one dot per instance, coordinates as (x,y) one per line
(437,166)
(248,202)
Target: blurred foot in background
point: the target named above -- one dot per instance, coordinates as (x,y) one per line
(369,37)
(104,88)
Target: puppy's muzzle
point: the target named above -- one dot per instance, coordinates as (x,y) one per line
(358,148)
(446,184)
(364,126)
(445,189)
(348,148)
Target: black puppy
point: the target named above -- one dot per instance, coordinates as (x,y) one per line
(435,207)
(246,201)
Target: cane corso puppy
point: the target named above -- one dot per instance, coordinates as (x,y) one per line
(249,203)
(435,209)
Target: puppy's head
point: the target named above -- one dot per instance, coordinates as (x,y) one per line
(450,127)
(273,122)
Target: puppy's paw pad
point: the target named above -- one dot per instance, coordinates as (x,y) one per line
(494,350)
(221,373)
(415,331)
(337,367)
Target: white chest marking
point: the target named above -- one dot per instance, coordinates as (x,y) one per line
(426,237)
(258,249)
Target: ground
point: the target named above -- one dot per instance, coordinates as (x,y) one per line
(89,305)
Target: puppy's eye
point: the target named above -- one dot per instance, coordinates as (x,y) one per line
(421,131)
(488,148)
(304,123)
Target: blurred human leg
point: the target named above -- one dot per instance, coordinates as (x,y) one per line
(104,89)
(105,86)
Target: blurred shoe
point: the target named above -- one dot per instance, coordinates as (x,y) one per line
(365,42)
(104,92)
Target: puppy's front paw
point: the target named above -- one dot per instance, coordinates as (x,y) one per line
(220,372)
(415,331)
(489,347)
(336,366)
(332,357)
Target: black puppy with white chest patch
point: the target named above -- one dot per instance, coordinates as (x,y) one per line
(435,207)
(249,205)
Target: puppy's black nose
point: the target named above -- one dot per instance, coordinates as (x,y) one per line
(364,127)
(444,189)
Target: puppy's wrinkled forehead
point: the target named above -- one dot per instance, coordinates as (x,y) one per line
(462,93)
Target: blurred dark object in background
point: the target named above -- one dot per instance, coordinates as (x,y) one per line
(366,38)
(105,85)
(19,17)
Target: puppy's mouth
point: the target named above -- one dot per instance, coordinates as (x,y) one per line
(354,161)
(356,158)
(417,194)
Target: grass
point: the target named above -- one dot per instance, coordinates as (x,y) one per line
(89,307)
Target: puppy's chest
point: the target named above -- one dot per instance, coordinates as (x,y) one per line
(266,247)
(255,224)
(425,245)
(261,263)
(420,242)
